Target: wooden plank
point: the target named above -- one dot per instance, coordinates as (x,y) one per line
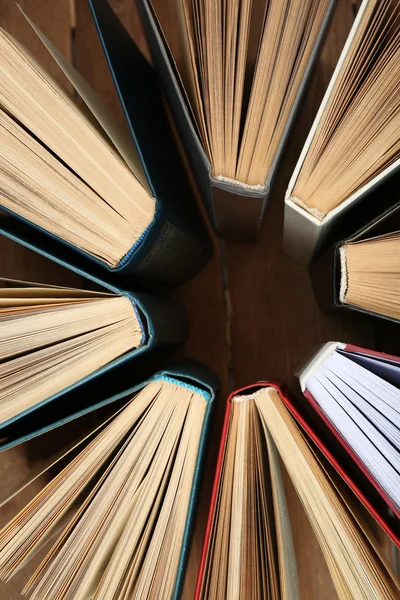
(203,298)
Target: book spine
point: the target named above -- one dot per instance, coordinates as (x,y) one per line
(169,255)
(166,321)
(324,280)
(302,234)
(237,215)
(194,372)
(177,216)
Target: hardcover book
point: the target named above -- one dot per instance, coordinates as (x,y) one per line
(353,146)
(107,201)
(354,396)
(56,340)
(234,86)
(362,273)
(119,511)
(248,550)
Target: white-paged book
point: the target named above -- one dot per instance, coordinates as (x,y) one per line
(357,394)
(354,142)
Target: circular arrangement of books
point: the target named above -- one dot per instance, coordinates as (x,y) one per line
(174,421)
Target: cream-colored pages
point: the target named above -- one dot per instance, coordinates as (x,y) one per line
(354,562)
(59,168)
(358,134)
(250,553)
(370,274)
(126,495)
(50,338)
(242,109)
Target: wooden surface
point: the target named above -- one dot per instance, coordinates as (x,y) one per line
(252,311)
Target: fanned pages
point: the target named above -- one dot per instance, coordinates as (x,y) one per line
(353,558)
(358,395)
(51,338)
(241,131)
(105,118)
(234,84)
(249,551)
(371,274)
(123,503)
(59,170)
(354,142)
(108,201)
(364,106)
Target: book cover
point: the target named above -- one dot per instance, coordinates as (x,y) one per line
(335,448)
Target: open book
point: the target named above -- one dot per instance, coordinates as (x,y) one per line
(53,339)
(354,143)
(70,170)
(356,392)
(234,85)
(116,519)
(248,550)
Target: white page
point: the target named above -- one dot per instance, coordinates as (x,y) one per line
(359,408)
(386,368)
(376,463)
(371,399)
(349,421)
(357,403)
(384,390)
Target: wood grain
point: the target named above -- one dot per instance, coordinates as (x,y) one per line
(52,17)
(251,311)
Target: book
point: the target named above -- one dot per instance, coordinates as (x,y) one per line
(248,549)
(116,518)
(354,393)
(80,182)
(333,177)
(55,339)
(234,85)
(236,562)
(361,273)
